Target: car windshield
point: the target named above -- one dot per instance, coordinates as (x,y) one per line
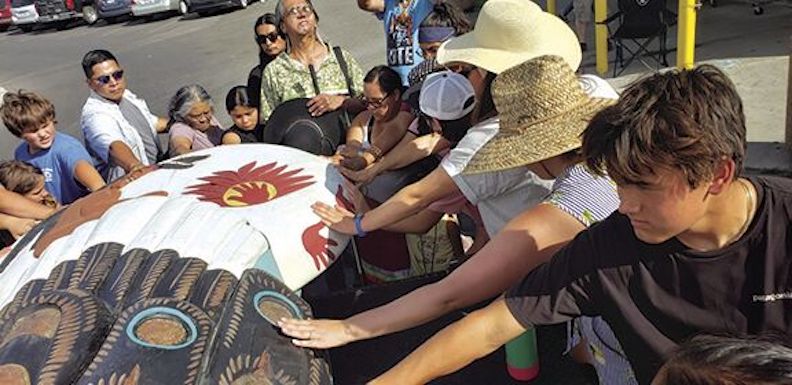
(19,3)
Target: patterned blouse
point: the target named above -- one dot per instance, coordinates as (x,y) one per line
(285,79)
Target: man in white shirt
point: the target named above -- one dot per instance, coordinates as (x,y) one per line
(119,130)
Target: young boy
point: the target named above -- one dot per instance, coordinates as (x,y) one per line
(68,169)
(693,247)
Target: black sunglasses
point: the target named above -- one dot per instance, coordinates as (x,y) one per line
(374,104)
(105,79)
(272,37)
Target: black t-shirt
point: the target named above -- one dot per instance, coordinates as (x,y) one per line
(244,136)
(656,296)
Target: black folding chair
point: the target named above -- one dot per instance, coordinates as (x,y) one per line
(640,23)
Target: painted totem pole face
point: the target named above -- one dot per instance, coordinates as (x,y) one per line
(198,255)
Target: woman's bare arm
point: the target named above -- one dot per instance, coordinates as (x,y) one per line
(527,241)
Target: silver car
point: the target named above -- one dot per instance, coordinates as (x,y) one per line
(150,7)
(23,14)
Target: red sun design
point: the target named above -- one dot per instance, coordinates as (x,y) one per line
(250,185)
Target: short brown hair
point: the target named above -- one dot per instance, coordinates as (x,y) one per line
(19,177)
(25,110)
(686,120)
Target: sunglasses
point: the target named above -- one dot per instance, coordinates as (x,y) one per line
(105,79)
(374,104)
(299,10)
(272,37)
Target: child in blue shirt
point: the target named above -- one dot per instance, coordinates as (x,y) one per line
(68,169)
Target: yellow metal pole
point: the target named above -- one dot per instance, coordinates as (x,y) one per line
(686,33)
(601,35)
(551,7)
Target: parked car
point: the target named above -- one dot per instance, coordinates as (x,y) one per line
(112,10)
(24,14)
(203,7)
(5,15)
(59,11)
(151,7)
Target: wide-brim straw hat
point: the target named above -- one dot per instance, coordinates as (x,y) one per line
(509,32)
(543,111)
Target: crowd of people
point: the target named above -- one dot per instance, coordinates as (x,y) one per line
(624,215)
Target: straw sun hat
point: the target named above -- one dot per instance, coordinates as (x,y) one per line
(542,109)
(509,32)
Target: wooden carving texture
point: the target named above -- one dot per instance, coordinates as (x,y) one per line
(137,317)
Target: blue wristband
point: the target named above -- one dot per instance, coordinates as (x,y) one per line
(359,225)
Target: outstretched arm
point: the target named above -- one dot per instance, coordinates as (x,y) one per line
(455,346)
(527,241)
(408,201)
(407,151)
(180,144)
(16,205)
(123,156)
(86,174)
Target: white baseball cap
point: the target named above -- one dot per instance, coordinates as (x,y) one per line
(447,96)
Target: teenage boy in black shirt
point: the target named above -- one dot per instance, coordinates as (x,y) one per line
(693,247)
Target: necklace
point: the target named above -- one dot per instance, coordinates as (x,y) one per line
(749,211)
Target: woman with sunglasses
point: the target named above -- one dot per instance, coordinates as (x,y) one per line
(270,43)
(375,131)
(193,125)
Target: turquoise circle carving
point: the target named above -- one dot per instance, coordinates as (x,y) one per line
(161,310)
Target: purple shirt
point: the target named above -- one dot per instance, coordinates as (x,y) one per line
(200,140)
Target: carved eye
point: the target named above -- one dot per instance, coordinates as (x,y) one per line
(273,306)
(162,328)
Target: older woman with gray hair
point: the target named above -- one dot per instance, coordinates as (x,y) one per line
(310,68)
(193,125)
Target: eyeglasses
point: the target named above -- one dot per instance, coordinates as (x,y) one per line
(297,10)
(272,37)
(374,104)
(105,79)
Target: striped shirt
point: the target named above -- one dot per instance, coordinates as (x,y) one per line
(587,197)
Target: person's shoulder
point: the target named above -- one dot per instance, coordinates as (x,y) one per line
(612,235)
(65,142)
(277,68)
(774,184)
(68,148)
(181,129)
(345,53)
(94,104)
(129,95)
(362,118)
(233,130)
(580,178)
(774,189)
(255,72)
(404,118)
(487,125)
(21,152)
(278,63)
